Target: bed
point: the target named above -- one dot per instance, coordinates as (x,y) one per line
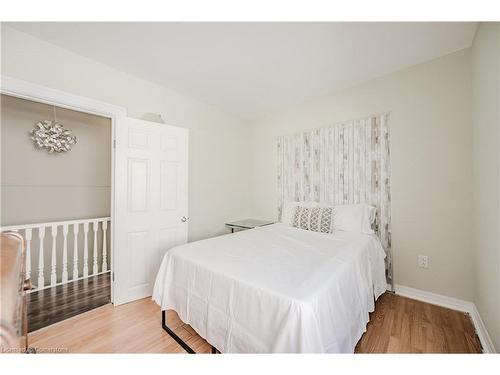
(275,289)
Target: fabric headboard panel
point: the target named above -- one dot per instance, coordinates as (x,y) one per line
(341,164)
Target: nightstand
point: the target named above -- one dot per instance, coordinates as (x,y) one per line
(247,224)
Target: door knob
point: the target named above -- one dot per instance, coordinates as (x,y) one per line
(184,219)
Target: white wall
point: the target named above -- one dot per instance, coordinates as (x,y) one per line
(431,153)
(218,177)
(486,153)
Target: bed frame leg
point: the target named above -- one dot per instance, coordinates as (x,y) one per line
(181,342)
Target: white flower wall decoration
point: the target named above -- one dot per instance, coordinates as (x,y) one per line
(52,136)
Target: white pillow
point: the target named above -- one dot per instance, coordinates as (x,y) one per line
(289,210)
(354,218)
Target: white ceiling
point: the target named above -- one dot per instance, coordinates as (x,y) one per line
(251,69)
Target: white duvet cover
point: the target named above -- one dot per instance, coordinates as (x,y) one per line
(275,289)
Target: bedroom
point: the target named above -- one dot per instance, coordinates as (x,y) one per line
(276,187)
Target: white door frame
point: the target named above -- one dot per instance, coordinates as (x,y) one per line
(38,93)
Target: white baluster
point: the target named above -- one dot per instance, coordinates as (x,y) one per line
(41,279)
(95,224)
(104,246)
(85,250)
(75,251)
(65,254)
(95,268)
(27,236)
(53,273)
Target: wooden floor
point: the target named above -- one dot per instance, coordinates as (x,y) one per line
(398,325)
(403,325)
(131,328)
(52,305)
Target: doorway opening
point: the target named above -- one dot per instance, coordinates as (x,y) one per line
(61,203)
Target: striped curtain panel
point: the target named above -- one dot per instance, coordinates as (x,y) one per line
(342,164)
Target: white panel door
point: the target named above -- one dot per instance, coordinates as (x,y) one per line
(150,202)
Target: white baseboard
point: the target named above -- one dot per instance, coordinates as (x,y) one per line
(482,332)
(435,299)
(454,304)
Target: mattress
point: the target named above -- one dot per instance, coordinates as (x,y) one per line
(275,289)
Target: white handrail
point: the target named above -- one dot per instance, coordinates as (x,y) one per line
(60,275)
(58,223)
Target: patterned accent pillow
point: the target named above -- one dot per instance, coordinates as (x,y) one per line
(305,212)
(316,219)
(326,220)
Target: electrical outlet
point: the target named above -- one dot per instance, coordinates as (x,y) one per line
(423,261)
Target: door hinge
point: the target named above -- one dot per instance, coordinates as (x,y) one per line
(114,143)
(113,276)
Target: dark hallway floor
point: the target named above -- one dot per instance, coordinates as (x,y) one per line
(52,305)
